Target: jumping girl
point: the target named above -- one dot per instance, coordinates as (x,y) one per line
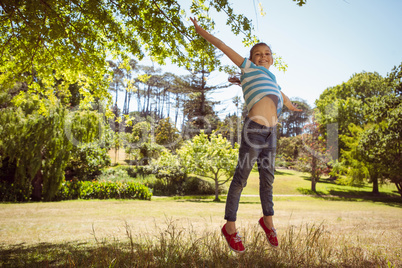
(264,100)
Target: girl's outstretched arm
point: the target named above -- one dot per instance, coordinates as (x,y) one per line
(233,55)
(289,104)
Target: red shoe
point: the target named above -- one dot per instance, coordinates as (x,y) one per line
(234,241)
(271,233)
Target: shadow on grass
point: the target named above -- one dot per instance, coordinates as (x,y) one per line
(355,195)
(199,199)
(176,247)
(322,180)
(282,172)
(210,199)
(44,255)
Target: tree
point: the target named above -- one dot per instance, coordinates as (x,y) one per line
(115,84)
(380,143)
(142,143)
(313,157)
(291,123)
(167,135)
(353,165)
(71,40)
(169,169)
(351,104)
(91,138)
(230,128)
(289,148)
(49,45)
(212,157)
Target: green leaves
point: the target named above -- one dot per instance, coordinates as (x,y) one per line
(210,156)
(44,40)
(300,2)
(367,109)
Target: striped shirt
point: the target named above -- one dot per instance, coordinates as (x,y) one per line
(258,82)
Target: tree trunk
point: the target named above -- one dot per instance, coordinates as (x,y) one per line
(375,186)
(399,187)
(313,183)
(216,189)
(115,155)
(37,186)
(313,173)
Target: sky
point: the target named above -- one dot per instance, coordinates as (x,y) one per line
(324,43)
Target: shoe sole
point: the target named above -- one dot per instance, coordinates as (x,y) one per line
(269,242)
(237,251)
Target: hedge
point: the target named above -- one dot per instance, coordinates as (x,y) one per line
(102,190)
(83,190)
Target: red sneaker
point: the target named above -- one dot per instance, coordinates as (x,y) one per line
(234,241)
(271,233)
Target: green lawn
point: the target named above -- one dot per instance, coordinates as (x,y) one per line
(291,182)
(367,227)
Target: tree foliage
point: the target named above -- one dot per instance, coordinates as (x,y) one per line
(55,55)
(381,142)
(291,123)
(350,104)
(210,156)
(313,157)
(70,41)
(167,135)
(36,146)
(367,111)
(142,146)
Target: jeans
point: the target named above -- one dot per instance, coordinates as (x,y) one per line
(258,143)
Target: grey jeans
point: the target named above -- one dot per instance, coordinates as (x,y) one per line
(258,143)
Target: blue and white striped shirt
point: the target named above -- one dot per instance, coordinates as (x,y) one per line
(258,82)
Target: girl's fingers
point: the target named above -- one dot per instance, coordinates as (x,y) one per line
(194,20)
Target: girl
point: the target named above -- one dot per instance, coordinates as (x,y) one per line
(264,100)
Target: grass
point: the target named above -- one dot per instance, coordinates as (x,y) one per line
(305,246)
(285,183)
(185,231)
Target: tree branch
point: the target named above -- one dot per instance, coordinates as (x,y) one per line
(163,13)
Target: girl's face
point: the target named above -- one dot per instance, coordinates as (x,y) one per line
(262,56)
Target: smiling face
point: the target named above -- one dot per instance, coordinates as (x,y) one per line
(261,55)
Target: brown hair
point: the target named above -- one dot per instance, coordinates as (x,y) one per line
(257,45)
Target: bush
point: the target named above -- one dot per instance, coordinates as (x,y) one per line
(188,186)
(9,192)
(280,161)
(103,190)
(197,186)
(87,161)
(162,188)
(170,174)
(115,174)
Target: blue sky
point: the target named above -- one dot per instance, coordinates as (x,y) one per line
(323,42)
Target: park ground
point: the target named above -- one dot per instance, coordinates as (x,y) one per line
(342,215)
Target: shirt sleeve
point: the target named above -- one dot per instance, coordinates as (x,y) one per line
(245,65)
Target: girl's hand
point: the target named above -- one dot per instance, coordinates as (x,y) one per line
(233,55)
(234,80)
(194,21)
(289,104)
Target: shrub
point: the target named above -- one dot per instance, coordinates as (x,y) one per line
(170,174)
(115,174)
(9,192)
(87,161)
(197,186)
(103,190)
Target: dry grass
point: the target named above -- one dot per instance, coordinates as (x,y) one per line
(175,233)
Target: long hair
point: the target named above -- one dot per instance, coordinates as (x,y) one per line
(235,79)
